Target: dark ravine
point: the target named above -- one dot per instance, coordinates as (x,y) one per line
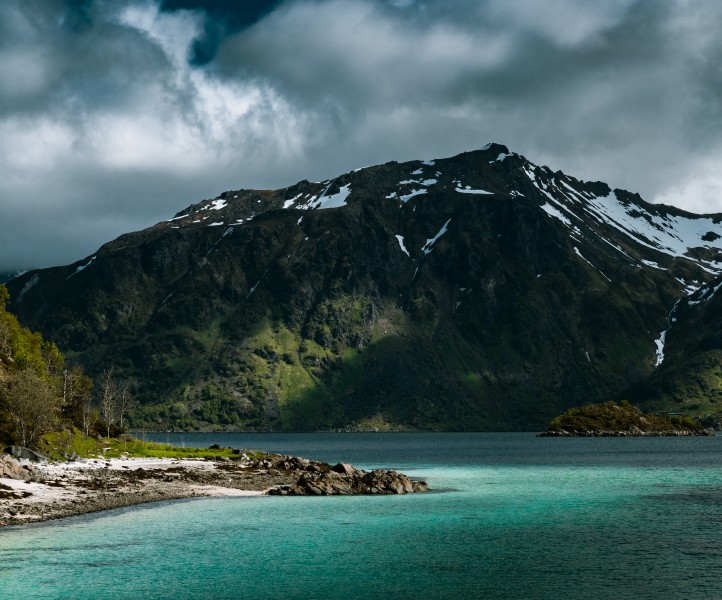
(42,492)
(478,292)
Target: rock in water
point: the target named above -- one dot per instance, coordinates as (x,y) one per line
(344,480)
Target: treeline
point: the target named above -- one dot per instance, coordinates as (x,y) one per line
(40,392)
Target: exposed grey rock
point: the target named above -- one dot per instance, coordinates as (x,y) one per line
(22,452)
(344,469)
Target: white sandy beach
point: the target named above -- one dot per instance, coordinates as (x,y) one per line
(60,489)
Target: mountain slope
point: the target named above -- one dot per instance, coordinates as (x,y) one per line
(689,374)
(475,292)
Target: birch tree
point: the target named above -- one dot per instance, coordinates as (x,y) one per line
(32,405)
(108,399)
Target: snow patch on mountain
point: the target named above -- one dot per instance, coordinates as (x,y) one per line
(406,197)
(289,203)
(551,211)
(424,182)
(81,268)
(336,200)
(659,342)
(400,239)
(579,254)
(322,202)
(673,234)
(703,294)
(651,263)
(428,246)
(468,190)
(501,157)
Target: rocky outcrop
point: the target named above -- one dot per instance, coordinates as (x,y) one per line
(621,420)
(10,468)
(346,480)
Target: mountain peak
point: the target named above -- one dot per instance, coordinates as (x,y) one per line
(477,291)
(495,148)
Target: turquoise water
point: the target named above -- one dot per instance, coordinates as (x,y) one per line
(514,516)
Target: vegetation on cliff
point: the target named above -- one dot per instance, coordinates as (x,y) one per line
(621,419)
(40,392)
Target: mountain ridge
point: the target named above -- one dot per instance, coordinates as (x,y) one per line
(479,291)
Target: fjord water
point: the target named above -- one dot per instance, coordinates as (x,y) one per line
(513,516)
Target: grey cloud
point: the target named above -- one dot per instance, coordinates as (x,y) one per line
(222,18)
(591,88)
(112,120)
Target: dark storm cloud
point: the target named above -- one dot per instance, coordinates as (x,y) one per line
(589,87)
(222,18)
(115,115)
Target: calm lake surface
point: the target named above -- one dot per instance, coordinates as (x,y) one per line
(514,516)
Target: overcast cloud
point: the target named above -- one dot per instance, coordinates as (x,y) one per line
(115,115)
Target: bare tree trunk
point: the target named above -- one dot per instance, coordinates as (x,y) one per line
(108,399)
(126,401)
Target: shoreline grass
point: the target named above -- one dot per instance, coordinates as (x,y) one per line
(64,444)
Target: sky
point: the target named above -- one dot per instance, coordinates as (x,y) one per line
(115,115)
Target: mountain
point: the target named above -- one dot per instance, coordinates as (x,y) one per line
(474,292)
(5,277)
(689,374)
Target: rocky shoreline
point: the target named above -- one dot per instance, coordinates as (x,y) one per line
(31,492)
(634,432)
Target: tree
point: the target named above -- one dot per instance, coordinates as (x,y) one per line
(76,394)
(108,399)
(31,404)
(5,334)
(115,400)
(125,401)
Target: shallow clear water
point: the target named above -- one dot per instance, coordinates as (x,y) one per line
(518,517)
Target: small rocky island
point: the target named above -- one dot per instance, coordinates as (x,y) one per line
(34,489)
(620,420)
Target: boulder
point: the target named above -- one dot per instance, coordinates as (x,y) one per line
(386,482)
(22,452)
(344,469)
(327,483)
(10,468)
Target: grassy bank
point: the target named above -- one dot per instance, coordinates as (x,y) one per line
(61,445)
